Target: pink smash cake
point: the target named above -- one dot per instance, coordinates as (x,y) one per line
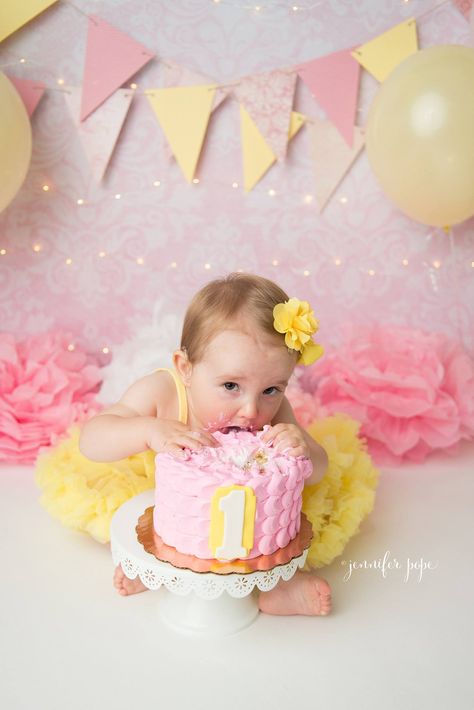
(234,501)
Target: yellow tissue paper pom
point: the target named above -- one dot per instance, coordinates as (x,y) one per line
(84,494)
(337,505)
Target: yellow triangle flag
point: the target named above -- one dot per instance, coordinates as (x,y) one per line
(296,121)
(257,154)
(183,113)
(382,54)
(15,14)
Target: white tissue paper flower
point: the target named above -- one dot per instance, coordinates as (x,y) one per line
(150,345)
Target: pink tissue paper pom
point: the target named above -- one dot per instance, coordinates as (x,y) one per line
(44,388)
(305,405)
(412,391)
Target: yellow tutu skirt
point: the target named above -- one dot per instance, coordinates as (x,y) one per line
(84,495)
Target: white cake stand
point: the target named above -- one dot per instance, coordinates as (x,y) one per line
(197,603)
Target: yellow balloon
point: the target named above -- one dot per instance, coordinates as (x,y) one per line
(420,135)
(15,141)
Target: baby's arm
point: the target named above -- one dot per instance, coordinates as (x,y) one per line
(316,453)
(145,418)
(123,429)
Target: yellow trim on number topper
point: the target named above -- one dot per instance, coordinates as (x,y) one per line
(231,533)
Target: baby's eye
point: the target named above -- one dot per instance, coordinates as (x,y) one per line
(229,386)
(268,390)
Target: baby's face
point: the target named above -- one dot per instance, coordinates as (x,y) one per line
(240,381)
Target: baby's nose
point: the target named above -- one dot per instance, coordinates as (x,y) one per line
(250,410)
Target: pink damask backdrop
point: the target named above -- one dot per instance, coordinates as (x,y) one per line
(99,268)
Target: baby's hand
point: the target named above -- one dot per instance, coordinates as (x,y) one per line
(287,436)
(170,436)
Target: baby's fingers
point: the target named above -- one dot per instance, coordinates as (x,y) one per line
(191,441)
(296,451)
(286,442)
(204,437)
(175,450)
(196,440)
(182,442)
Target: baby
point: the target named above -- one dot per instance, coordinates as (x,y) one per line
(231,369)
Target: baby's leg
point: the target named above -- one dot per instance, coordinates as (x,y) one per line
(303,594)
(126,586)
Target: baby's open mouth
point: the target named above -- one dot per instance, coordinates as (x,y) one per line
(227,429)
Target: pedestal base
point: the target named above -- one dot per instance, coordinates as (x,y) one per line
(208,618)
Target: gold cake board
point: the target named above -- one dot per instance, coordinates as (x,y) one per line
(154,545)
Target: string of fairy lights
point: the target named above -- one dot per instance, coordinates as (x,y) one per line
(431,267)
(48,188)
(435,264)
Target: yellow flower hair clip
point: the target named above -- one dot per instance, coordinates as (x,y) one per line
(296,319)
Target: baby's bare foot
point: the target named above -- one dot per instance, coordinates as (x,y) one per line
(303,594)
(126,586)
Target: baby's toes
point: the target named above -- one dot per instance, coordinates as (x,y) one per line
(118,579)
(322,595)
(325,605)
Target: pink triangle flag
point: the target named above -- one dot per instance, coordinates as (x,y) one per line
(112,57)
(176,75)
(30,91)
(99,132)
(334,82)
(268,99)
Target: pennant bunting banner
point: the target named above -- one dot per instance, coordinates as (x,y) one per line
(31,92)
(112,57)
(382,54)
(183,113)
(184,106)
(176,75)
(268,100)
(332,157)
(16,13)
(256,153)
(334,82)
(99,132)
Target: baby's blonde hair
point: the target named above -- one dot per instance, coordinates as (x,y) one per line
(222,301)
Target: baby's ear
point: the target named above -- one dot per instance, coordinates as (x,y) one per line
(182,365)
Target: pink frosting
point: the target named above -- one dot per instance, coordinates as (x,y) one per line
(185,487)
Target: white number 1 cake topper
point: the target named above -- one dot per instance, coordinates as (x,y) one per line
(231,533)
